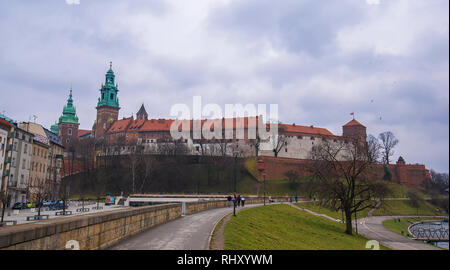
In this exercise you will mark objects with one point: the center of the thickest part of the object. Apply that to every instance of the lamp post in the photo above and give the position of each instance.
(264, 189)
(235, 153)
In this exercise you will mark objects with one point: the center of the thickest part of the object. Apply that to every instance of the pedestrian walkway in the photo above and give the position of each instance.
(190, 232)
(373, 229)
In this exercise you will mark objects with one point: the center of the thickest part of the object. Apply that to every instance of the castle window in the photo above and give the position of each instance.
(103, 95)
(112, 96)
(69, 131)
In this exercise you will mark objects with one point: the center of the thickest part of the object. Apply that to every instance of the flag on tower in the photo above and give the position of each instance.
(352, 114)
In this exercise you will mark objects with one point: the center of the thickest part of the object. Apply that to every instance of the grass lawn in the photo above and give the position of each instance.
(315, 206)
(281, 227)
(404, 208)
(388, 208)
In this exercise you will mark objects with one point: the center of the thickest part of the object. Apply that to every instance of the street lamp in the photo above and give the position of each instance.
(264, 189)
(235, 153)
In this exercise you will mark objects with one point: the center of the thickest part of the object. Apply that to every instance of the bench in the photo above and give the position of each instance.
(83, 209)
(5, 222)
(41, 217)
(62, 213)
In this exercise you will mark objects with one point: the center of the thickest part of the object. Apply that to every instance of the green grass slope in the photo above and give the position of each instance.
(280, 227)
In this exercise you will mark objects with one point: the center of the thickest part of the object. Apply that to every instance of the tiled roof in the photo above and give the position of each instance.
(353, 123)
(156, 125)
(83, 132)
(130, 124)
(119, 125)
(304, 129)
(53, 137)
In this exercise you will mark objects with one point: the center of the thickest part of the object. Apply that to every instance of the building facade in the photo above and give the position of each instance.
(54, 165)
(39, 159)
(19, 178)
(6, 128)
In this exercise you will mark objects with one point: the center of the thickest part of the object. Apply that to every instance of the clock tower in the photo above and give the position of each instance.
(107, 106)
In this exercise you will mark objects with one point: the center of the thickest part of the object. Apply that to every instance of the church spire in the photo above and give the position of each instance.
(108, 96)
(69, 112)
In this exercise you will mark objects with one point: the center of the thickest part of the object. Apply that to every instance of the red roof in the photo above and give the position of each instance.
(119, 125)
(304, 129)
(353, 123)
(82, 132)
(156, 125)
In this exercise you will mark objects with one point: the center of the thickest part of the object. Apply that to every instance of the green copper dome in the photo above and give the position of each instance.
(69, 112)
(54, 128)
(108, 92)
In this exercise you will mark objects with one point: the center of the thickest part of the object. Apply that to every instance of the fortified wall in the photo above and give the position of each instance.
(411, 175)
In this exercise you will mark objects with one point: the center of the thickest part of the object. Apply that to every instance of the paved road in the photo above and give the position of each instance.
(190, 232)
(372, 228)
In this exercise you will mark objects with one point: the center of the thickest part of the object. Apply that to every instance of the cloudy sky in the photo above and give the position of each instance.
(385, 60)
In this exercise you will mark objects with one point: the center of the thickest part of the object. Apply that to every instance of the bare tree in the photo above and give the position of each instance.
(41, 193)
(257, 145)
(63, 192)
(148, 167)
(279, 144)
(343, 177)
(414, 199)
(439, 182)
(388, 142)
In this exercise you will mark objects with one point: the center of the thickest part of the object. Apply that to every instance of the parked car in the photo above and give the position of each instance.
(19, 206)
(31, 204)
(47, 203)
(58, 205)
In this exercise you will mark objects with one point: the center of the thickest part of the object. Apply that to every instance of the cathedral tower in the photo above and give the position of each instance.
(107, 106)
(68, 124)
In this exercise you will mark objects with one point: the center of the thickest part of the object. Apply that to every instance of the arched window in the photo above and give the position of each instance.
(69, 131)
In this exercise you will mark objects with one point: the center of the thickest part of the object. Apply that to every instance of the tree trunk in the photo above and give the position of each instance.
(348, 222)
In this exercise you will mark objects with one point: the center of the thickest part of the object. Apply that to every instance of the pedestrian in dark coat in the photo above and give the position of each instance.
(239, 200)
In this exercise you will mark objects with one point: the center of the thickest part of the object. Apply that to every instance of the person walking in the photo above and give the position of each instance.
(229, 200)
(239, 200)
(243, 201)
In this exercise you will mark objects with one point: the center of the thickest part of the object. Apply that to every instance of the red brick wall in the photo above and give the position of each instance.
(408, 175)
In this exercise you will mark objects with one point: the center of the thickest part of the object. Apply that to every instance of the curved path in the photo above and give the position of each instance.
(372, 228)
(190, 232)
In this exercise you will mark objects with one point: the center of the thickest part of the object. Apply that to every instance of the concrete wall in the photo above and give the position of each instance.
(101, 230)
(92, 231)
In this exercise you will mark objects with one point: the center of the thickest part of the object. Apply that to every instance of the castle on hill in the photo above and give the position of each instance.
(122, 135)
